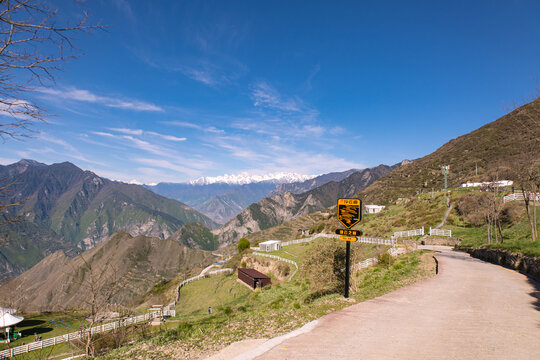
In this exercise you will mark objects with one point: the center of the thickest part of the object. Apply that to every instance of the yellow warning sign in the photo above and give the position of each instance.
(349, 212)
(347, 238)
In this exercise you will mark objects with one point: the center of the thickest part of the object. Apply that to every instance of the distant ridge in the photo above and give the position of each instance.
(222, 198)
(245, 178)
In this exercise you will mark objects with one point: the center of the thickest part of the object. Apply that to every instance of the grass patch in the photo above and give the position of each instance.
(267, 312)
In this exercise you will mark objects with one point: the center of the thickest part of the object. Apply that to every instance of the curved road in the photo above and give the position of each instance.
(471, 310)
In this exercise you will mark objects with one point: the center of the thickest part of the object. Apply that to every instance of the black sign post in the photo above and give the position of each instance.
(349, 213)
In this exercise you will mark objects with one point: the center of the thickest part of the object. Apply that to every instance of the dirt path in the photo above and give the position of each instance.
(471, 310)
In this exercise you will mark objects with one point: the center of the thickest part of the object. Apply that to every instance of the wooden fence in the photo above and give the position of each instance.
(440, 232)
(407, 233)
(83, 333)
(366, 240)
(519, 196)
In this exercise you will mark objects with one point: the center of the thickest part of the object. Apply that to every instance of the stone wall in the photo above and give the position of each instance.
(525, 264)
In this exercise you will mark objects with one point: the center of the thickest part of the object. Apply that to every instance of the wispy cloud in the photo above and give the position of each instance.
(167, 137)
(82, 95)
(140, 132)
(71, 152)
(209, 128)
(264, 95)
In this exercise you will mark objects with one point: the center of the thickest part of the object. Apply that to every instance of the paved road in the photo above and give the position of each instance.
(471, 310)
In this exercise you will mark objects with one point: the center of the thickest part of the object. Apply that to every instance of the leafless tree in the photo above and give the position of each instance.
(100, 285)
(35, 42)
(527, 173)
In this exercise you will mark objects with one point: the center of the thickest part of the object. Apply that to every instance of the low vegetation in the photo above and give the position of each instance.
(239, 313)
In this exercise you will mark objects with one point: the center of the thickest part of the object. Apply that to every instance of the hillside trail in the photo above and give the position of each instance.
(470, 310)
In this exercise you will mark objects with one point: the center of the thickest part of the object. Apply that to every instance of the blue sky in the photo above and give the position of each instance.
(175, 90)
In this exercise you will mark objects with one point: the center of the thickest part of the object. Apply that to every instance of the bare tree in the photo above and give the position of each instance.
(100, 285)
(527, 172)
(35, 42)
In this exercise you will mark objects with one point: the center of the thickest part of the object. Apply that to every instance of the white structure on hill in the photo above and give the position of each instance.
(373, 209)
(270, 245)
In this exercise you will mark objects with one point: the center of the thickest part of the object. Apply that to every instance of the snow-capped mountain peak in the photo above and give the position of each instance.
(246, 178)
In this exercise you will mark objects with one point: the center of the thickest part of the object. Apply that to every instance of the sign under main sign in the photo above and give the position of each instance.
(348, 232)
(349, 212)
(348, 238)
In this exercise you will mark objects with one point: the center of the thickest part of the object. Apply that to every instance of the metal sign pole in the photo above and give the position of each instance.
(347, 268)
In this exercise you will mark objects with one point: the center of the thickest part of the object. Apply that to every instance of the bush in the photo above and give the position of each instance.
(243, 244)
(384, 259)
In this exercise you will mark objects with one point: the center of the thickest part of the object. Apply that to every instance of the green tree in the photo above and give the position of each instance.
(243, 244)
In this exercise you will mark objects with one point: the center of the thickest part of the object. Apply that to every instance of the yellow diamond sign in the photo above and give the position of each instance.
(349, 212)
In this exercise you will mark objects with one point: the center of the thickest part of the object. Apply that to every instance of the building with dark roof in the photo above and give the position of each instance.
(253, 278)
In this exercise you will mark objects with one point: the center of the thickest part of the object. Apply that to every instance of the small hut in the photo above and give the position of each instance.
(270, 245)
(253, 278)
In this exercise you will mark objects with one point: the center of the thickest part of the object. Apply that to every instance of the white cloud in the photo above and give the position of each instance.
(211, 129)
(264, 95)
(166, 164)
(167, 137)
(128, 131)
(86, 96)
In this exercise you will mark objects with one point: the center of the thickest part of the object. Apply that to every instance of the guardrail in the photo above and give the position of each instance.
(408, 233)
(367, 240)
(440, 232)
(519, 196)
(38, 345)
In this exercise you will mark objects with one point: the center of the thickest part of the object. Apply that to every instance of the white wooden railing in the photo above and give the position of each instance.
(440, 232)
(407, 233)
(519, 196)
(37, 345)
(366, 240)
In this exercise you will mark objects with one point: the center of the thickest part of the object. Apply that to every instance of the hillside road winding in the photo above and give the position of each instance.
(470, 310)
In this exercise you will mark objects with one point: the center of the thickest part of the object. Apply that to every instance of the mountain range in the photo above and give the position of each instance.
(222, 198)
(276, 209)
(66, 208)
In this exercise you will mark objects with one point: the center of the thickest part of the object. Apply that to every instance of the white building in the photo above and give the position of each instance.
(373, 209)
(270, 245)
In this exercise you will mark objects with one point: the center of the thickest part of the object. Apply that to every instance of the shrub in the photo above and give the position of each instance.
(243, 244)
(227, 310)
(384, 259)
(296, 305)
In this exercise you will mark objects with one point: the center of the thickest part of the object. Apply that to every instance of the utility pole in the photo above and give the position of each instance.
(445, 169)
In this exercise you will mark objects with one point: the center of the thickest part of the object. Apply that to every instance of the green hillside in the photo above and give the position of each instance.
(498, 150)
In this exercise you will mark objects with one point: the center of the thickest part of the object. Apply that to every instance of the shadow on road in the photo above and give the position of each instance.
(535, 293)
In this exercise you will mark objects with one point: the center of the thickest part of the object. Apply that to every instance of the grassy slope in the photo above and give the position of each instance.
(240, 313)
(495, 147)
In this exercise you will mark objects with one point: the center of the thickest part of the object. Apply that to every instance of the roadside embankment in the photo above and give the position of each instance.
(525, 264)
